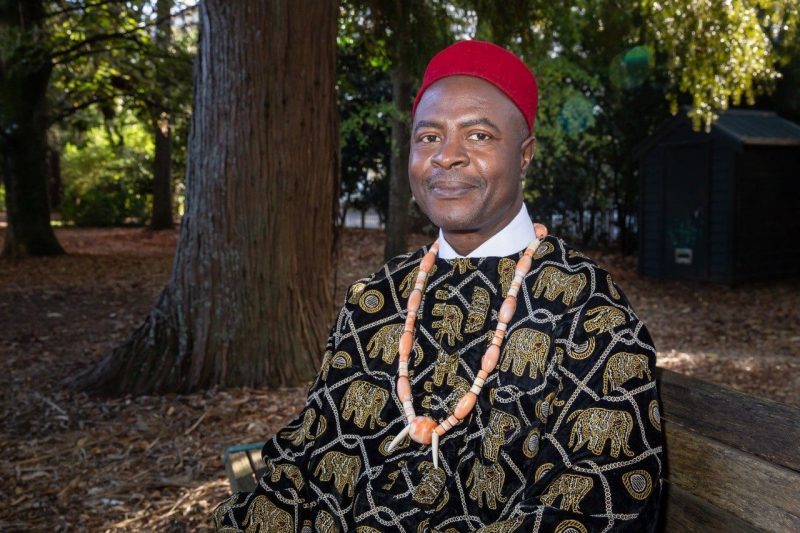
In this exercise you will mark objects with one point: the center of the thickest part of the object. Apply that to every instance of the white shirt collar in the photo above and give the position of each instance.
(516, 236)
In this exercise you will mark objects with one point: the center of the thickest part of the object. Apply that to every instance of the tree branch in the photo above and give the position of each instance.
(101, 37)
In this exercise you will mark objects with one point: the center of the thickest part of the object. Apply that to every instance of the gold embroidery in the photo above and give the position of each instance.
(487, 483)
(494, 436)
(595, 425)
(478, 310)
(530, 446)
(624, 366)
(543, 249)
(607, 318)
(524, 347)
(571, 488)
(385, 342)
(355, 292)
(446, 364)
(544, 408)
(570, 526)
(612, 289)
(365, 401)
(291, 472)
(338, 360)
(506, 526)
(367, 529)
(263, 515)
(639, 483)
(506, 270)
(553, 283)
(582, 352)
(371, 301)
(541, 471)
(449, 325)
(300, 435)
(325, 523)
(430, 486)
(575, 253)
(383, 448)
(343, 468)
(463, 264)
(654, 414)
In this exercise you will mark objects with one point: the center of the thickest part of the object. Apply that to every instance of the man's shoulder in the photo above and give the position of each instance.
(563, 266)
(394, 269)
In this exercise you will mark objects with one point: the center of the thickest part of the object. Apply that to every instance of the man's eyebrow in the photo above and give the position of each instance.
(428, 124)
(482, 121)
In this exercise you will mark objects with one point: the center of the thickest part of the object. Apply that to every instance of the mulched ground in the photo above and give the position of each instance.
(69, 462)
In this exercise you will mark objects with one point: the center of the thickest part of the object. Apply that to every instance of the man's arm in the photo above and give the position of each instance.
(599, 466)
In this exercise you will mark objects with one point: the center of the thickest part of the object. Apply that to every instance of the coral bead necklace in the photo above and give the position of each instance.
(423, 429)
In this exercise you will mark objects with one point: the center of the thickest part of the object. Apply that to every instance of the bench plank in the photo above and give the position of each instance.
(686, 513)
(762, 427)
(757, 491)
(244, 466)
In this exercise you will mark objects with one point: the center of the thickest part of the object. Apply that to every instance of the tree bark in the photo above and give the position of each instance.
(24, 78)
(162, 162)
(250, 299)
(399, 191)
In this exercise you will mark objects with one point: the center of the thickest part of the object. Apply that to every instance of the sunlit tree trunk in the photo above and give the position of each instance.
(24, 78)
(250, 299)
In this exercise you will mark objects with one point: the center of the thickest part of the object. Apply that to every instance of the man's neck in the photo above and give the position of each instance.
(515, 235)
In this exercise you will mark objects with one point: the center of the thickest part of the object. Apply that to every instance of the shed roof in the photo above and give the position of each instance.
(743, 126)
(758, 127)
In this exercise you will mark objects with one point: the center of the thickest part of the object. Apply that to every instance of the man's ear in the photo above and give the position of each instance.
(527, 149)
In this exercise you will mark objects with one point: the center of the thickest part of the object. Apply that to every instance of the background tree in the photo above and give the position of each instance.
(249, 299)
(162, 162)
(25, 69)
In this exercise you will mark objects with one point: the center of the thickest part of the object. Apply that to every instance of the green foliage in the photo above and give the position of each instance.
(106, 183)
(719, 52)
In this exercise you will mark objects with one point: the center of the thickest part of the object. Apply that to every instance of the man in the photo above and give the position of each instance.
(415, 422)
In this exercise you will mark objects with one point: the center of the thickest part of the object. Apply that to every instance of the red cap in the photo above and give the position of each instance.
(489, 62)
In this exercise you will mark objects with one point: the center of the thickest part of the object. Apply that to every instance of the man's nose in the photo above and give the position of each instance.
(451, 154)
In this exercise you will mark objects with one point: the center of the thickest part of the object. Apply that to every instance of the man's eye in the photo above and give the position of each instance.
(430, 138)
(480, 136)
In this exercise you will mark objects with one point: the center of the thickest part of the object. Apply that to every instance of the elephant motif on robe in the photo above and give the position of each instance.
(263, 515)
(525, 346)
(571, 488)
(478, 310)
(450, 324)
(340, 467)
(494, 435)
(431, 484)
(624, 366)
(595, 426)
(553, 283)
(605, 318)
(385, 343)
(363, 402)
(486, 482)
(303, 433)
(290, 471)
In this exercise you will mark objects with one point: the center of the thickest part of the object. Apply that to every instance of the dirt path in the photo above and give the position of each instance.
(70, 462)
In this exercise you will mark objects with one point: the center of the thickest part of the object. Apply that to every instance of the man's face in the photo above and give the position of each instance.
(470, 147)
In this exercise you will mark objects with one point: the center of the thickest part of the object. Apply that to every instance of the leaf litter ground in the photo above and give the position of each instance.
(70, 462)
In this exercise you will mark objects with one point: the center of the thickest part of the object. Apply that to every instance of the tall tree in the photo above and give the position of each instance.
(250, 295)
(25, 69)
(162, 175)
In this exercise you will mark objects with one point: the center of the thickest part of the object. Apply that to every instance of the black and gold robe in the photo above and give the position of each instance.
(565, 436)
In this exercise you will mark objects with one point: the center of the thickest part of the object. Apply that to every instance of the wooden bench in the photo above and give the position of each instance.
(732, 463)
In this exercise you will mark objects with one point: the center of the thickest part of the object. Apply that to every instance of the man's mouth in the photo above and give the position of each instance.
(450, 188)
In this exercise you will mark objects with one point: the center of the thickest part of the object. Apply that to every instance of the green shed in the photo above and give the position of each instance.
(722, 206)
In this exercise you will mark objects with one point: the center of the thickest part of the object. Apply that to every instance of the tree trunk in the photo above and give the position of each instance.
(399, 190)
(250, 298)
(24, 78)
(162, 162)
